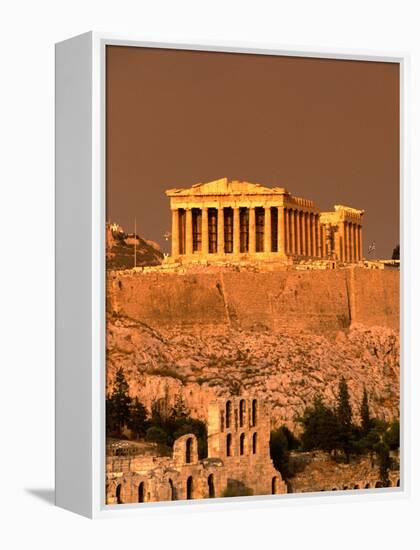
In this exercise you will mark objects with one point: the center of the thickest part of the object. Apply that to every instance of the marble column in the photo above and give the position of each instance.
(303, 233)
(323, 235)
(281, 230)
(314, 246)
(318, 237)
(292, 220)
(347, 230)
(188, 232)
(204, 231)
(339, 242)
(267, 229)
(175, 232)
(251, 235)
(220, 231)
(236, 231)
(308, 234)
(298, 233)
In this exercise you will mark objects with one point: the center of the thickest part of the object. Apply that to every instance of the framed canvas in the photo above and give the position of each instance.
(229, 250)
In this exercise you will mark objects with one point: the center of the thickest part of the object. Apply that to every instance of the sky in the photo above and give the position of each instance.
(327, 130)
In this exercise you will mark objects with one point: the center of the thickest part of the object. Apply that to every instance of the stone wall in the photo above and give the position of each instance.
(183, 476)
(316, 471)
(314, 301)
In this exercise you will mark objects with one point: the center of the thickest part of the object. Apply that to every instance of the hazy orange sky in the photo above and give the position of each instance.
(326, 130)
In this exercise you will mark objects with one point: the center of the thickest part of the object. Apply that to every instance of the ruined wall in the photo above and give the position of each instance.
(316, 471)
(315, 301)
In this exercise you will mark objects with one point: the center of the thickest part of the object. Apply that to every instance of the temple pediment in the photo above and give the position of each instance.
(225, 187)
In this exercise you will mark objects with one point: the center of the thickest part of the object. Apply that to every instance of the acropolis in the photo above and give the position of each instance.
(225, 219)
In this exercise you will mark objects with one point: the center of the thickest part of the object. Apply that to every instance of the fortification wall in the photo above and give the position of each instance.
(315, 301)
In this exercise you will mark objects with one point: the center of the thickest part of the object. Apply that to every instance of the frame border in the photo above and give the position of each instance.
(95, 408)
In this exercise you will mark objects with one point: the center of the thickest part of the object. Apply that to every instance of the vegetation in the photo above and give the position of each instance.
(282, 441)
(332, 429)
(118, 405)
(163, 426)
(237, 489)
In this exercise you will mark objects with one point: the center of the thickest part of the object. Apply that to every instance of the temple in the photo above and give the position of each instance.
(225, 219)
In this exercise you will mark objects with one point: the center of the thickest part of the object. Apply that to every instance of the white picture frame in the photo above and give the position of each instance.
(80, 276)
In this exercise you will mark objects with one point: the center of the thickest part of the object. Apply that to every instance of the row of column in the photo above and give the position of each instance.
(351, 242)
(298, 232)
(302, 232)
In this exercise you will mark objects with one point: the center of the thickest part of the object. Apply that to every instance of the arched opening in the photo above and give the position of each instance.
(228, 414)
(229, 445)
(398, 482)
(171, 489)
(118, 494)
(254, 444)
(356, 487)
(188, 450)
(141, 492)
(367, 486)
(378, 485)
(210, 482)
(333, 489)
(254, 412)
(274, 485)
(345, 488)
(242, 444)
(242, 413)
(190, 488)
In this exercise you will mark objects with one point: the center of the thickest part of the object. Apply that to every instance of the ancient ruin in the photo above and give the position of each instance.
(238, 457)
(228, 220)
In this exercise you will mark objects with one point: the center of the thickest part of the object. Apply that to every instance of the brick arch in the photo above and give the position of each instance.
(211, 486)
(185, 450)
(190, 486)
(141, 492)
(228, 414)
(242, 413)
(242, 444)
(254, 443)
(254, 412)
(275, 485)
(118, 495)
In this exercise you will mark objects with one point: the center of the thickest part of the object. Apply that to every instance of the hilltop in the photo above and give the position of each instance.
(120, 250)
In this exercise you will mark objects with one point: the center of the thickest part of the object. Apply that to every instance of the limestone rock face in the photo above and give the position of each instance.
(285, 369)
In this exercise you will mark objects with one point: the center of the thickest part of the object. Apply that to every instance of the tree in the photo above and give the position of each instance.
(344, 419)
(365, 414)
(320, 428)
(280, 450)
(118, 404)
(382, 451)
(392, 436)
(158, 435)
(137, 418)
(396, 253)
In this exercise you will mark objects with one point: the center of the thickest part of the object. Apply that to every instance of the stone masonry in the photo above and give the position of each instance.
(231, 220)
(238, 457)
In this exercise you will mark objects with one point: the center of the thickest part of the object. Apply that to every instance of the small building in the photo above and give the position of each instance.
(238, 461)
(222, 220)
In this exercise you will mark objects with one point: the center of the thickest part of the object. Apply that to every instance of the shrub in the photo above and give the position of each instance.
(155, 434)
(237, 489)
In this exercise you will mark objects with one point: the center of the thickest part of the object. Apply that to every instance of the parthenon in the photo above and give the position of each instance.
(225, 219)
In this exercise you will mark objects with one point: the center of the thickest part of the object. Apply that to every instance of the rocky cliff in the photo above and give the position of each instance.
(280, 336)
